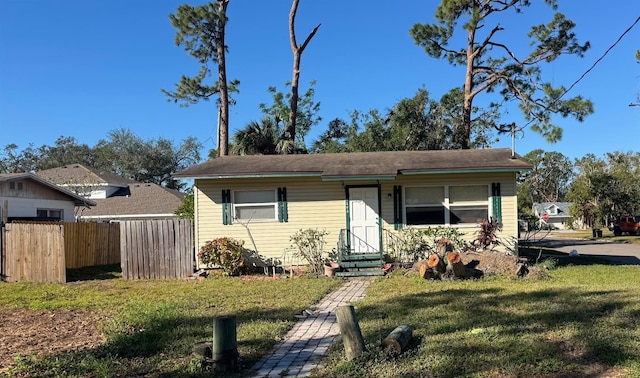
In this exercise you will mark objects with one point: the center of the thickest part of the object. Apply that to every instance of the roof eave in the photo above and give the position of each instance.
(247, 175)
(359, 178)
(464, 170)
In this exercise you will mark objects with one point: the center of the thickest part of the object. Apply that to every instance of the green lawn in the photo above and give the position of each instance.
(581, 321)
(151, 326)
(606, 235)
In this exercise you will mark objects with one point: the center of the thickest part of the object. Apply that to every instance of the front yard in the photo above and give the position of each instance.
(117, 328)
(581, 321)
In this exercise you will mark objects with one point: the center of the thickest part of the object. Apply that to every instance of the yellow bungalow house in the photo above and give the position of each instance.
(358, 198)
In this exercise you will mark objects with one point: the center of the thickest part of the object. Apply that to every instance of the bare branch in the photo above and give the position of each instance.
(306, 41)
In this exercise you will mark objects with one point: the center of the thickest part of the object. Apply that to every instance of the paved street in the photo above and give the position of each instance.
(619, 253)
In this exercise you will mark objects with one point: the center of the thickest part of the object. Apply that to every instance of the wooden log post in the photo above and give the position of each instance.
(398, 339)
(423, 270)
(436, 263)
(456, 266)
(224, 349)
(350, 331)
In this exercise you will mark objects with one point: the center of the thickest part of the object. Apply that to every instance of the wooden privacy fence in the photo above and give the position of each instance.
(33, 252)
(156, 249)
(42, 252)
(90, 244)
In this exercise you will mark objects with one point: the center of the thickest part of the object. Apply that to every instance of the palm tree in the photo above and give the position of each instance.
(258, 138)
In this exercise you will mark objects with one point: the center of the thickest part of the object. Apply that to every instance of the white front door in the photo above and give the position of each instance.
(363, 220)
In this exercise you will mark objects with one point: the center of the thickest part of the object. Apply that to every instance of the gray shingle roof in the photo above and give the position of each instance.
(361, 164)
(79, 174)
(138, 199)
(77, 199)
(131, 200)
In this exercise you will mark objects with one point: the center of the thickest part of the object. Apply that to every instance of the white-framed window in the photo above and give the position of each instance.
(468, 204)
(446, 205)
(15, 185)
(424, 205)
(255, 205)
(57, 214)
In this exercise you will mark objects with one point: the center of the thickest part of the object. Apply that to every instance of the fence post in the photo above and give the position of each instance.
(350, 331)
(224, 349)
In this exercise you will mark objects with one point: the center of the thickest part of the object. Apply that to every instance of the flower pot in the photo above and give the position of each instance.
(330, 269)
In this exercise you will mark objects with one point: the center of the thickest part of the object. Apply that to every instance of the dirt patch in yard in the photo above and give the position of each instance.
(494, 263)
(25, 332)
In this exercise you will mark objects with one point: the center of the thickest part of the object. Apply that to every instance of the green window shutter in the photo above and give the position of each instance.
(283, 209)
(397, 207)
(496, 201)
(226, 207)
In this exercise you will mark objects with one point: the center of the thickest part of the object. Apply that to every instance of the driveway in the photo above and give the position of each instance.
(618, 253)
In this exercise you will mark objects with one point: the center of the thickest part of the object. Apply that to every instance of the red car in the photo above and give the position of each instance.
(628, 224)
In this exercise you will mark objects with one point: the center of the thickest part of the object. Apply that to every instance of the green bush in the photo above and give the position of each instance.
(413, 244)
(226, 253)
(310, 246)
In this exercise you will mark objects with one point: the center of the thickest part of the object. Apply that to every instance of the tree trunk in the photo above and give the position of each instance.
(350, 331)
(290, 132)
(436, 263)
(456, 267)
(223, 113)
(398, 339)
(423, 270)
(462, 132)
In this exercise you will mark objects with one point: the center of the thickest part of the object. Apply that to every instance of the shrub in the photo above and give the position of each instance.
(412, 244)
(487, 237)
(310, 246)
(227, 253)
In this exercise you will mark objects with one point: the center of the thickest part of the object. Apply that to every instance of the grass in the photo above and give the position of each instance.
(152, 325)
(581, 321)
(606, 235)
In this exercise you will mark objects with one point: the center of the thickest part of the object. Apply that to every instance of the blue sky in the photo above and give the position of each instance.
(83, 68)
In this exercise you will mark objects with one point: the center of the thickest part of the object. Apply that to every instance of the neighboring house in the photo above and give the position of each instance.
(25, 196)
(359, 198)
(116, 198)
(557, 214)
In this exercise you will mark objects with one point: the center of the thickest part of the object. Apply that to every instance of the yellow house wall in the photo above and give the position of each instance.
(509, 230)
(313, 203)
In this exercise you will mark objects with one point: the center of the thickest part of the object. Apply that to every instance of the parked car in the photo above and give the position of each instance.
(629, 224)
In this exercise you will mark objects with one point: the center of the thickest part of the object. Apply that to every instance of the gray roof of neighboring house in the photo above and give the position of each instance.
(78, 174)
(563, 208)
(137, 199)
(386, 164)
(77, 199)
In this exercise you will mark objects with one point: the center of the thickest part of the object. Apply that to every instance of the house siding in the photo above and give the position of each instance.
(313, 203)
(507, 193)
(25, 207)
(32, 190)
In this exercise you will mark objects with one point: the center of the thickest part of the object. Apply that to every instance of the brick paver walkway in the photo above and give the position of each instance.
(307, 342)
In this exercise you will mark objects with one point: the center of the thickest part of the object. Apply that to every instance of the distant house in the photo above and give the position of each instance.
(116, 198)
(25, 196)
(361, 199)
(557, 214)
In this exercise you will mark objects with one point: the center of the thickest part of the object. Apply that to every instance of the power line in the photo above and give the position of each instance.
(601, 57)
(593, 65)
